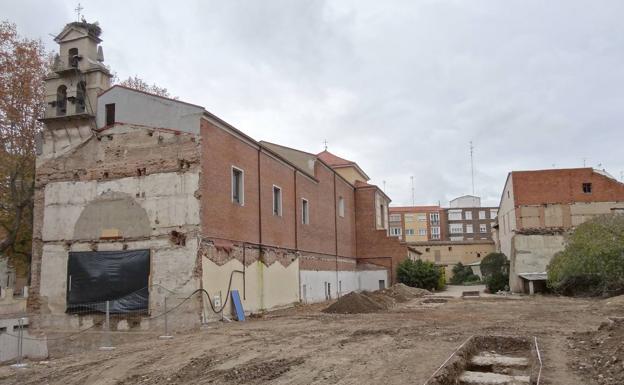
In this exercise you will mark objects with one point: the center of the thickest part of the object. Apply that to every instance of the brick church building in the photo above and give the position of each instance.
(137, 192)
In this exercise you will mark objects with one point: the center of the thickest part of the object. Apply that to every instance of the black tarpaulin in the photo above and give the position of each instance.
(120, 277)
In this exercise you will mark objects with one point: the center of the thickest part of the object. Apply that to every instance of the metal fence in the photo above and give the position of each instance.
(102, 324)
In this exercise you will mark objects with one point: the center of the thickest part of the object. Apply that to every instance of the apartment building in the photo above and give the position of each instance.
(446, 236)
(417, 223)
(137, 192)
(468, 221)
(538, 208)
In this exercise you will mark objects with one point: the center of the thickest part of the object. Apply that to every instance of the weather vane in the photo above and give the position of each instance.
(78, 9)
(325, 143)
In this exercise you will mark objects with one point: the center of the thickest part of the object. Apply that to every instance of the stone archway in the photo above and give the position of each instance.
(114, 211)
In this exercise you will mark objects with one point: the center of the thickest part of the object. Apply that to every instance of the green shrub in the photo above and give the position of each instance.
(497, 282)
(419, 273)
(463, 274)
(472, 280)
(592, 262)
(495, 271)
(442, 279)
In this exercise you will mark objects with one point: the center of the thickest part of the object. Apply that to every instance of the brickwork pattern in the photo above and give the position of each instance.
(564, 186)
(375, 246)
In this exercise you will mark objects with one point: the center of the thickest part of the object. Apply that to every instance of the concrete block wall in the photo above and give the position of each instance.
(31, 348)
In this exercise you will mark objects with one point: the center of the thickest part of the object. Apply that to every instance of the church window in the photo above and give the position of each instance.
(81, 91)
(72, 59)
(61, 100)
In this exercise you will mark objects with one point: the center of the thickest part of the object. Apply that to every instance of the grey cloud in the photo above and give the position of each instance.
(400, 87)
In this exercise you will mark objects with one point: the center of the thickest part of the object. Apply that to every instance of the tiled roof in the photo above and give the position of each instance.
(333, 160)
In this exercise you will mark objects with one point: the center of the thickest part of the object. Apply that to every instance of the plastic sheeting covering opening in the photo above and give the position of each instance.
(120, 277)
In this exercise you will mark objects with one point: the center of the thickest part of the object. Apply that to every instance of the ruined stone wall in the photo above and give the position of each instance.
(266, 278)
(532, 254)
(127, 188)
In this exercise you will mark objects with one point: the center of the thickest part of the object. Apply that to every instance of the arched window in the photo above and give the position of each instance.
(81, 91)
(61, 100)
(72, 59)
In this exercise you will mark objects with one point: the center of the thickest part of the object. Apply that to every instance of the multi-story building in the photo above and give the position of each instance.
(446, 236)
(134, 191)
(417, 223)
(468, 221)
(538, 208)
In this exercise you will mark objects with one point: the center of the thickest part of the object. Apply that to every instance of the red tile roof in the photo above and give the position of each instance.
(333, 160)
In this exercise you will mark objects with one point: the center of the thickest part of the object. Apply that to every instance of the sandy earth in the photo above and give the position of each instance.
(305, 346)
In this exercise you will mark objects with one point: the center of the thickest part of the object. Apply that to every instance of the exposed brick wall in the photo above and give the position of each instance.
(346, 224)
(221, 252)
(121, 152)
(221, 218)
(375, 246)
(277, 230)
(325, 234)
(564, 186)
(319, 236)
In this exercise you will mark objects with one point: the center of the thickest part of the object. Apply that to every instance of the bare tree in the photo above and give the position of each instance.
(23, 64)
(137, 83)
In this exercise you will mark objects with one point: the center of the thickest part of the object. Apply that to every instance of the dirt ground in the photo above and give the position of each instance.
(306, 346)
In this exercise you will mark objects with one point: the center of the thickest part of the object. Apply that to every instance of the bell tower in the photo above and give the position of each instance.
(78, 75)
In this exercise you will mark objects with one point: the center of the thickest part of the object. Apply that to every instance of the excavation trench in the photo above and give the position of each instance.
(491, 360)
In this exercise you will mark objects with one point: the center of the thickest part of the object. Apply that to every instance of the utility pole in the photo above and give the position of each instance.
(472, 166)
(413, 201)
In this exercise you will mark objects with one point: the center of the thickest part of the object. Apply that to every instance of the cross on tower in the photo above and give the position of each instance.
(78, 9)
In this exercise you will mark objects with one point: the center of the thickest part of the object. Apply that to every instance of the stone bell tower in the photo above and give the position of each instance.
(77, 76)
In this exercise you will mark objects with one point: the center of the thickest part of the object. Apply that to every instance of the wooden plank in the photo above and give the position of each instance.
(238, 306)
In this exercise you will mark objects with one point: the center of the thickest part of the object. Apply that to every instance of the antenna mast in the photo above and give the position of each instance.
(413, 202)
(472, 167)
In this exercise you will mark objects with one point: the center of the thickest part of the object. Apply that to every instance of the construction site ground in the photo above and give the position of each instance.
(303, 345)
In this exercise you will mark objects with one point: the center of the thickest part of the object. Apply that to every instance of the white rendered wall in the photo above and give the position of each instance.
(348, 281)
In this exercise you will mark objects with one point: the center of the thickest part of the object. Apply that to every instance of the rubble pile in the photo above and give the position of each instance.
(599, 355)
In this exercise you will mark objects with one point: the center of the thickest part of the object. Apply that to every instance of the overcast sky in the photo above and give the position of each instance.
(401, 87)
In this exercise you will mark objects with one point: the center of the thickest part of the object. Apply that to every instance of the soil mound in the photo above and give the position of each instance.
(615, 301)
(598, 355)
(403, 291)
(369, 302)
(354, 303)
(384, 300)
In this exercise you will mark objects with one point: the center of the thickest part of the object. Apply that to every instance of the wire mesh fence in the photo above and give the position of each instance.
(150, 312)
